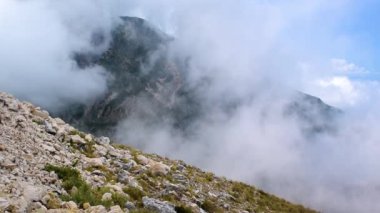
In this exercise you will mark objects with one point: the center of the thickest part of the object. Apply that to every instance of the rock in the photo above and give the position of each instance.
(7, 164)
(77, 139)
(33, 193)
(129, 205)
(88, 137)
(103, 140)
(86, 206)
(159, 169)
(49, 128)
(129, 165)
(51, 201)
(123, 177)
(2, 147)
(115, 188)
(95, 162)
(4, 203)
(42, 114)
(100, 150)
(97, 172)
(96, 209)
(48, 148)
(157, 205)
(107, 196)
(13, 106)
(59, 121)
(20, 120)
(116, 209)
(36, 207)
(115, 154)
(141, 159)
(70, 205)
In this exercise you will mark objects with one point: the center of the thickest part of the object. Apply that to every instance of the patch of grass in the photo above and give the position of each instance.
(211, 206)
(134, 192)
(70, 177)
(38, 121)
(119, 199)
(209, 176)
(84, 192)
(170, 198)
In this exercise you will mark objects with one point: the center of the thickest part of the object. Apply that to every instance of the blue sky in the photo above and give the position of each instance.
(362, 24)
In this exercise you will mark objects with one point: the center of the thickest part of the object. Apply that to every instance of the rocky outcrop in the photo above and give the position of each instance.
(47, 165)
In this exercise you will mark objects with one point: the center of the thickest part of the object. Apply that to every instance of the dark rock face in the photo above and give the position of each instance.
(146, 83)
(314, 115)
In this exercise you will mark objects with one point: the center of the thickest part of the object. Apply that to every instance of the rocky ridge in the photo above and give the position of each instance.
(46, 165)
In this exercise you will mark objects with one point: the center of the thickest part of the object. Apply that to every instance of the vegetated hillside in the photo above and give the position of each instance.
(47, 165)
(147, 83)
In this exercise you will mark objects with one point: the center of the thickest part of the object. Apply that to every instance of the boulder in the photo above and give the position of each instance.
(116, 209)
(77, 139)
(96, 209)
(157, 205)
(159, 169)
(141, 159)
(70, 205)
(103, 140)
(107, 196)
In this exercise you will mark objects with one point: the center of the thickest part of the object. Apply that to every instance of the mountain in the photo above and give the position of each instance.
(142, 75)
(149, 84)
(46, 165)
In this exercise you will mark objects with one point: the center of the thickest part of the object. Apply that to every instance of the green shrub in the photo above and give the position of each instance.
(84, 192)
(134, 192)
(211, 206)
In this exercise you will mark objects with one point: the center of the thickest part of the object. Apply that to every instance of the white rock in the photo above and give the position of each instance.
(96, 209)
(48, 148)
(142, 160)
(49, 128)
(157, 205)
(4, 203)
(88, 137)
(33, 193)
(103, 140)
(159, 169)
(42, 114)
(69, 205)
(95, 161)
(77, 139)
(116, 209)
(107, 196)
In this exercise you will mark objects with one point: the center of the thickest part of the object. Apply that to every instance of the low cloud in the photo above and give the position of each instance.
(38, 39)
(254, 53)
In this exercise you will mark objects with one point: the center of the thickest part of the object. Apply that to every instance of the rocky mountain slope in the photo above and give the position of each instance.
(46, 165)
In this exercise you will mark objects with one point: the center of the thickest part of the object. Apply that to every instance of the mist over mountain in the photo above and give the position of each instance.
(266, 92)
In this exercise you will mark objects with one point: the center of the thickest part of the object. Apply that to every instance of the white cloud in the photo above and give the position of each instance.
(342, 65)
(338, 91)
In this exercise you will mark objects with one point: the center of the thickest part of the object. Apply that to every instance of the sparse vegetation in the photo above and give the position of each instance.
(134, 192)
(80, 192)
(211, 206)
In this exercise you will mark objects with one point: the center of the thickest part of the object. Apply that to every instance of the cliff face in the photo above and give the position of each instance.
(46, 165)
(142, 76)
